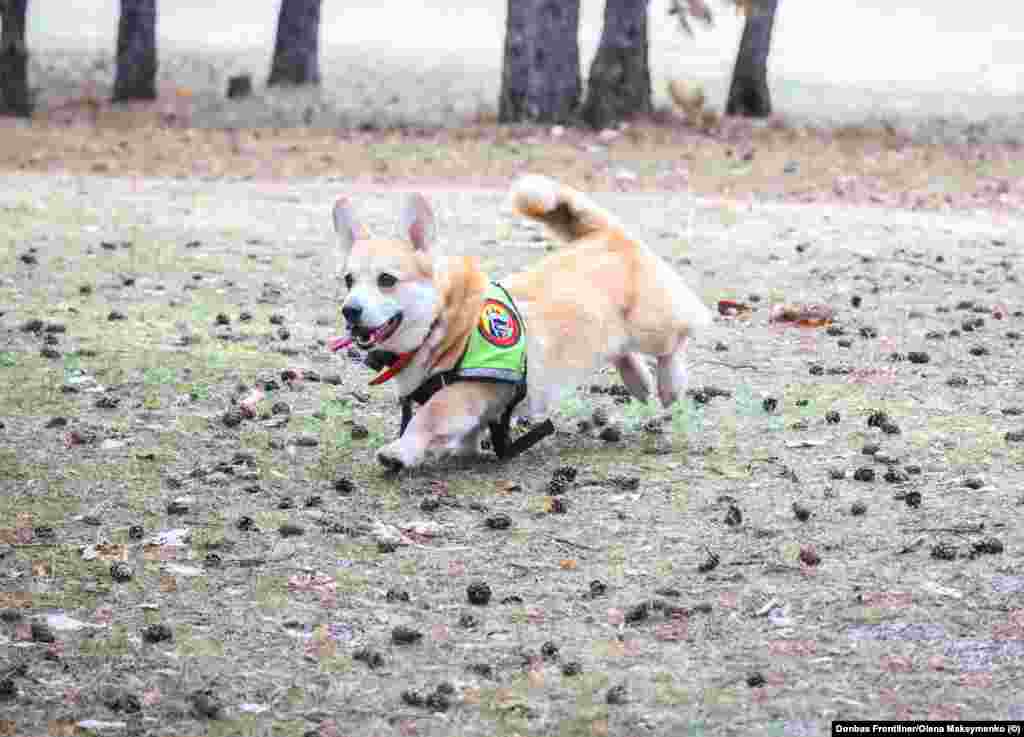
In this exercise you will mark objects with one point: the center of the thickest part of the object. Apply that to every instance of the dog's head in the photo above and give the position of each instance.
(392, 296)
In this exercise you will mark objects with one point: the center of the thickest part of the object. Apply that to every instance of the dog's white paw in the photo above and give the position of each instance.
(392, 458)
(535, 193)
(468, 446)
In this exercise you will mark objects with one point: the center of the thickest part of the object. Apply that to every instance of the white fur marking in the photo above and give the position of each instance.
(537, 190)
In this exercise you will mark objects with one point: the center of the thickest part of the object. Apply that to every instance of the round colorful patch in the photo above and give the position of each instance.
(499, 325)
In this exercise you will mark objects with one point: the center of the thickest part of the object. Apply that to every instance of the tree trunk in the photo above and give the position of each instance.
(748, 94)
(541, 73)
(135, 78)
(297, 48)
(14, 95)
(620, 79)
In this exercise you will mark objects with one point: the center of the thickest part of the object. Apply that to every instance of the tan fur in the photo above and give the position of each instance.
(464, 298)
(605, 298)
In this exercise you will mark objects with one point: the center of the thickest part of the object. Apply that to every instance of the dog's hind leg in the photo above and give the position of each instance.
(672, 375)
(635, 375)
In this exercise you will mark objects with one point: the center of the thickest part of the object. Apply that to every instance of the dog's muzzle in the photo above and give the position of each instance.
(366, 337)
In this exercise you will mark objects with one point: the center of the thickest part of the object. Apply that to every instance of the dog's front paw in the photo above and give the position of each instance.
(469, 447)
(392, 458)
(390, 462)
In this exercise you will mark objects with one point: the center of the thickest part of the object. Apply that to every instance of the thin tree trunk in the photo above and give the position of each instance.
(515, 70)
(748, 94)
(620, 78)
(135, 78)
(297, 48)
(14, 94)
(541, 72)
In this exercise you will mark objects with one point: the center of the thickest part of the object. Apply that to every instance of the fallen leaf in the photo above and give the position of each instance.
(64, 623)
(176, 536)
(804, 443)
(422, 528)
(732, 308)
(95, 724)
(249, 404)
(105, 551)
(804, 315)
(187, 571)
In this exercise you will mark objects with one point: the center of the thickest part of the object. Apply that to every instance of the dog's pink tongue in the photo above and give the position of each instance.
(336, 344)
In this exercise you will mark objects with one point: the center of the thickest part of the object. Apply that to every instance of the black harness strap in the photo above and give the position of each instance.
(406, 416)
(423, 393)
(500, 430)
(530, 439)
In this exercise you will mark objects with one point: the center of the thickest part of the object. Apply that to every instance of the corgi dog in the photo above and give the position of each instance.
(467, 350)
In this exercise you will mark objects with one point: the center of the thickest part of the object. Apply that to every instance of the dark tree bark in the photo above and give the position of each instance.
(297, 48)
(14, 94)
(135, 78)
(748, 93)
(540, 79)
(620, 79)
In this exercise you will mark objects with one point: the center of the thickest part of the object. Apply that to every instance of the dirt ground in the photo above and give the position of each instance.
(733, 159)
(773, 554)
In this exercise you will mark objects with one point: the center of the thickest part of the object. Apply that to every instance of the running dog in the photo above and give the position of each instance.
(468, 350)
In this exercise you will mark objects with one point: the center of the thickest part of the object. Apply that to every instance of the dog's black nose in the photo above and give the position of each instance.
(352, 313)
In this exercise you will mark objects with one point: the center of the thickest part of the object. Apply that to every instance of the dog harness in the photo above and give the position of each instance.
(496, 352)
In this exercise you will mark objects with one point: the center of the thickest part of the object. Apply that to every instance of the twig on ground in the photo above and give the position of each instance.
(966, 529)
(736, 366)
(571, 544)
(925, 264)
(751, 561)
(451, 549)
(911, 546)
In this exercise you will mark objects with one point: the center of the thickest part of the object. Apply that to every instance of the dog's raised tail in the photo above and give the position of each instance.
(566, 211)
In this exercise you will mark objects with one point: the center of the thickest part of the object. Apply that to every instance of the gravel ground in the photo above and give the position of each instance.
(732, 569)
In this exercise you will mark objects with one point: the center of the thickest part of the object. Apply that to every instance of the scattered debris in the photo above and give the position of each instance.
(802, 315)
(733, 308)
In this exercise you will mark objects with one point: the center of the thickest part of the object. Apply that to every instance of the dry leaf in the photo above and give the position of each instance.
(249, 404)
(804, 315)
(732, 308)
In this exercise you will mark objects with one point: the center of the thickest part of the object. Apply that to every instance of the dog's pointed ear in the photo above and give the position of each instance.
(417, 223)
(349, 229)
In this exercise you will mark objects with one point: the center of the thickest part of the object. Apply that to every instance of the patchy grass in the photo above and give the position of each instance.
(640, 576)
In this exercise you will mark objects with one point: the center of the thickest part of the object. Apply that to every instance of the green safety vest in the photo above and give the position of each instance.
(497, 347)
(496, 352)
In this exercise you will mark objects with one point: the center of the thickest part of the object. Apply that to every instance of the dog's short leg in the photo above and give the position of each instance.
(443, 434)
(451, 421)
(672, 376)
(635, 375)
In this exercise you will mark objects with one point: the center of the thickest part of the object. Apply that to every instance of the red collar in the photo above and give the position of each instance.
(403, 359)
(400, 363)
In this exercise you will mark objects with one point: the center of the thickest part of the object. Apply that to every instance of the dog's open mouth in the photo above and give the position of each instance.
(365, 337)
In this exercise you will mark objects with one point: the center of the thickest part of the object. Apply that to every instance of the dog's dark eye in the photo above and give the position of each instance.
(386, 281)
(349, 281)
